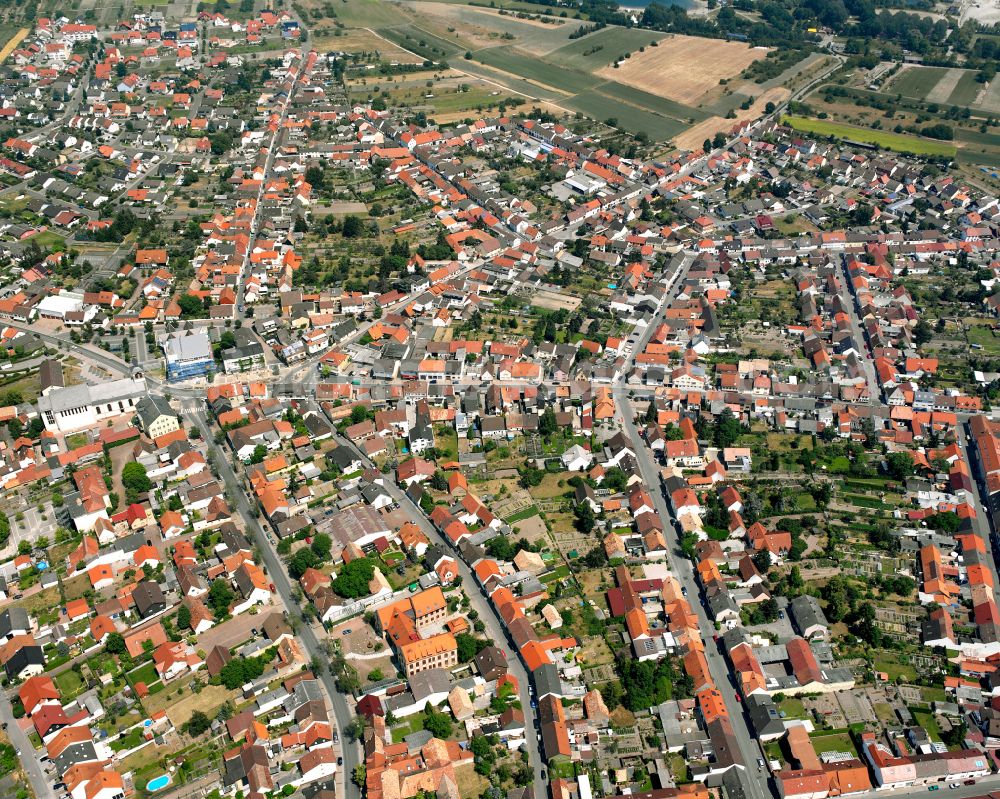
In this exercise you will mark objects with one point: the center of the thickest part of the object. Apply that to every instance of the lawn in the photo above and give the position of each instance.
(530, 67)
(783, 442)
(549, 487)
(69, 683)
(793, 708)
(180, 708)
(662, 105)
(980, 332)
(40, 602)
(837, 742)
(966, 90)
(408, 727)
(925, 719)
(145, 673)
(469, 782)
(102, 663)
(604, 104)
(885, 713)
(367, 13)
(446, 443)
(894, 667)
(559, 573)
(934, 694)
(49, 239)
(863, 501)
(128, 741)
(888, 141)
(805, 502)
(521, 515)
(419, 41)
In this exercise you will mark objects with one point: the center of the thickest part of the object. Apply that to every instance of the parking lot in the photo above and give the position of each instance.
(235, 631)
(31, 527)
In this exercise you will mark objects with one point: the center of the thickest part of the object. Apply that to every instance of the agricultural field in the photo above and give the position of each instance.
(889, 141)
(943, 86)
(10, 38)
(421, 42)
(528, 53)
(483, 27)
(683, 68)
(453, 96)
(604, 47)
(359, 40)
(523, 64)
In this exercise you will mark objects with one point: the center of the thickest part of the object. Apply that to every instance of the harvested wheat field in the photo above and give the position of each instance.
(13, 42)
(693, 137)
(683, 68)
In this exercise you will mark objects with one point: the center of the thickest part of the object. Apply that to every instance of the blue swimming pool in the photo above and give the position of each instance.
(159, 783)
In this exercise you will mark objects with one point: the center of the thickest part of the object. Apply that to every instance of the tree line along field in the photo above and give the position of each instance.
(884, 139)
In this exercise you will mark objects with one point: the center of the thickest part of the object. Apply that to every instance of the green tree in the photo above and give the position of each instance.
(436, 723)
(220, 597)
(352, 227)
(615, 479)
(922, 332)
(184, 617)
(198, 724)
(354, 578)
(135, 480)
(726, 429)
(900, 465)
(302, 560)
(469, 646)
(220, 142)
(321, 545)
(115, 644)
(530, 475)
(191, 307)
(547, 424)
(584, 518)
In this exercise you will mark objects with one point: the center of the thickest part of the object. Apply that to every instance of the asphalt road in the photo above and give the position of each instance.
(268, 166)
(28, 757)
(754, 781)
(496, 631)
(343, 713)
(858, 333)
